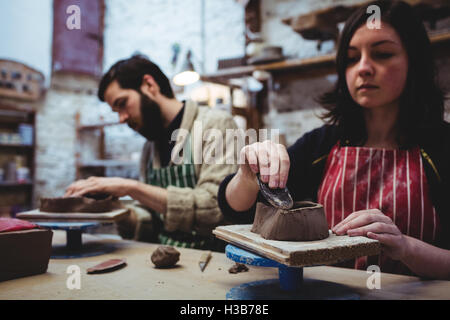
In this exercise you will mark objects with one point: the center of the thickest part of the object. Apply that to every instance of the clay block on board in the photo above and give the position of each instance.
(24, 253)
(80, 204)
(306, 221)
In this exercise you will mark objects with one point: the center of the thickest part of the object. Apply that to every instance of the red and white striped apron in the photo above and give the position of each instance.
(393, 181)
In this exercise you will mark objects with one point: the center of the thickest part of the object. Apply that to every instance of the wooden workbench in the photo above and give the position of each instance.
(140, 280)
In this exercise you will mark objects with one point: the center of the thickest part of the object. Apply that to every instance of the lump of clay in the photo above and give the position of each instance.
(165, 257)
(305, 221)
(80, 204)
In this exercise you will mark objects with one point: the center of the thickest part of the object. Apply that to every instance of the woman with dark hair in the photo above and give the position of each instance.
(381, 165)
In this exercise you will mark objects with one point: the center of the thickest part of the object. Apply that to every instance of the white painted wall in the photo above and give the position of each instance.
(152, 26)
(26, 28)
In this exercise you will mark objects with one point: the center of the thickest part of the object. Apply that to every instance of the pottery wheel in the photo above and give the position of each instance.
(74, 247)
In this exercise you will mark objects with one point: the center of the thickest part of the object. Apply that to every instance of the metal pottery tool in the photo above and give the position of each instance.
(278, 197)
(204, 259)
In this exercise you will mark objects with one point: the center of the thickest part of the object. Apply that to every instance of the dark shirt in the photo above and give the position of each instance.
(308, 157)
(165, 146)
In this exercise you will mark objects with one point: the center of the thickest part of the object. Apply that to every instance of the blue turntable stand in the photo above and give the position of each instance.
(290, 284)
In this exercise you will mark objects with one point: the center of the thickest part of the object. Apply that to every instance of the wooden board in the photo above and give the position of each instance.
(299, 254)
(37, 215)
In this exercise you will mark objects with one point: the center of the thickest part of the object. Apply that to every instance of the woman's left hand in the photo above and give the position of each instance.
(375, 225)
(114, 186)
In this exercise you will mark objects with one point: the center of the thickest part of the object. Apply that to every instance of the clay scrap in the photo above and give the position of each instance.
(107, 266)
(80, 204)
(305, 221)
(165, 257)
(238, 267)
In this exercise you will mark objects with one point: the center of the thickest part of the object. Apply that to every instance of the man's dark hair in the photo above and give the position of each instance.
(129, 74)
(422, 101)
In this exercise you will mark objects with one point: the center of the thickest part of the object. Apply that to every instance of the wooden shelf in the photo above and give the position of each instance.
(222, 75)
(15, 145)
(14, 193)
(98, 126)
(15, 184)
(326, 61)
(440, 37)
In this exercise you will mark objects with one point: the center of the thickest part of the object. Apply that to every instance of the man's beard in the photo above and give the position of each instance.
(152, 125)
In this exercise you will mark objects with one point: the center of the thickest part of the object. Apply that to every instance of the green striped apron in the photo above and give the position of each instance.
(182, 176)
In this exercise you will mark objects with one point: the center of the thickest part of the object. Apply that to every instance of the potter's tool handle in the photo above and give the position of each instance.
(204, 259)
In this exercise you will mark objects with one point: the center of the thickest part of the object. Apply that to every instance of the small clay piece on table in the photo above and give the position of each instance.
(238, 267)
(306, 221)
(107, 266)
(80, 204)
(165, 257)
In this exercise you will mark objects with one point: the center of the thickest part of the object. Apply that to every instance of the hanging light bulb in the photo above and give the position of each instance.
(187, 74)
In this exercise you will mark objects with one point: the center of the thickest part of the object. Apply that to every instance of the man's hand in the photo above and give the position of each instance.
(117, 187)
(375, 225)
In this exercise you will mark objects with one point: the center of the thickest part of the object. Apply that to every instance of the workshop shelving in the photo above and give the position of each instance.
(17, 155)
(98, 166)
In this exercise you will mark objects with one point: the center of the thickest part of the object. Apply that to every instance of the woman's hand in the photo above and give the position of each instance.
(118, 187)
(375, 225)
(270, 159)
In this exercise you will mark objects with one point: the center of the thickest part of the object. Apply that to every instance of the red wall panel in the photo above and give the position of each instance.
(78, 50)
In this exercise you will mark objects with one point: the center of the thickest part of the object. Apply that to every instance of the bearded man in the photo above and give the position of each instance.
(176, 201)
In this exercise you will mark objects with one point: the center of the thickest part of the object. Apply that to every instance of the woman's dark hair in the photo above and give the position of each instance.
(129, 73)
(422, 101)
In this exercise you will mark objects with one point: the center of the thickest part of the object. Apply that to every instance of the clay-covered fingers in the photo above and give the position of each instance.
(388, 240)
(392, 241)
(284, 165)
(73, 188)
(274, 166)
(353, 216)
(269, 159)
(279, 166)
(347, 219)
(376, 227)
(263, 161)
(249, 157)
(359, 219)
(81, 187)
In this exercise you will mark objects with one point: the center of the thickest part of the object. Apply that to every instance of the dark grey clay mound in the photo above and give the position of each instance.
(79, 204)
(306, 221)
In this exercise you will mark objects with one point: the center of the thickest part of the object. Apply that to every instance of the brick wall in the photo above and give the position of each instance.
(149, 27)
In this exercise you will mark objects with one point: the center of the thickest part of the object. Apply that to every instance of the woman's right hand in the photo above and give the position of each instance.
(267, 158)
